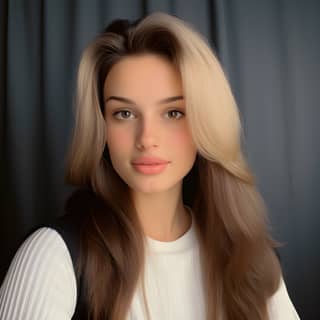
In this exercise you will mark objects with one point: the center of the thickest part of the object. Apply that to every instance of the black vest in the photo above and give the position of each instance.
(69, 226)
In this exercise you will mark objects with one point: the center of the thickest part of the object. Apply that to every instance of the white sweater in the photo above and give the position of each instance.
(40, 283)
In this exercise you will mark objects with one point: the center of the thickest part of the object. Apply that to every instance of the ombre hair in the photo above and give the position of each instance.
(239, 265)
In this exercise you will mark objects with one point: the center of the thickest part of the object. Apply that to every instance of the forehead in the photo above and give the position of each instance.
(143, 77)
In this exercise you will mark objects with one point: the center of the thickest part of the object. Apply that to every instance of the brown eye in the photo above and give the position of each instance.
(175, 114)
(125, 114)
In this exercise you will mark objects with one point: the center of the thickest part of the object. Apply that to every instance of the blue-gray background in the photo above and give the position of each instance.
(270, 50)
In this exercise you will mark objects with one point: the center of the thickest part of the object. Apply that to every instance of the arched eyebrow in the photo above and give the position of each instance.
(126, 100)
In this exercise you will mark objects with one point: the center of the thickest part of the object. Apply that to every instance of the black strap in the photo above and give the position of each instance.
(77, 209)
(69, 227)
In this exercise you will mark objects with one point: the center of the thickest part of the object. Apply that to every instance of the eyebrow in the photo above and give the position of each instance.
(126, 100)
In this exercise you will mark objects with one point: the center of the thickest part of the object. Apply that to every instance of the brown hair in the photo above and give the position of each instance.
(240, 268)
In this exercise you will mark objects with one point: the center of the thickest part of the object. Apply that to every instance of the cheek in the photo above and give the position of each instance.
(182, 140)
(118, 141)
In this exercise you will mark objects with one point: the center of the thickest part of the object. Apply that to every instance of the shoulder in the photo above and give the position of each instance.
(280, 305)
(40, 279)
(43, 245)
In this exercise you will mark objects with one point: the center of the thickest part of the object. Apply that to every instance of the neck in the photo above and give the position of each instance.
(162, 215)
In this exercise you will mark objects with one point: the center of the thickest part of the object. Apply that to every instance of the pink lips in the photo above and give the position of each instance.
(150, 165)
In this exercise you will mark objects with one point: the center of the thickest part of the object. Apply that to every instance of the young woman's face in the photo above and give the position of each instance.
(145, 117)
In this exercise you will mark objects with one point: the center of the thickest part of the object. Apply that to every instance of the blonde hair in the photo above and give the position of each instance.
(240, 268)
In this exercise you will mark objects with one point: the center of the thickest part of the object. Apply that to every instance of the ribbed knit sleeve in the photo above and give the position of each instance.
(280, 305)
(40, 283)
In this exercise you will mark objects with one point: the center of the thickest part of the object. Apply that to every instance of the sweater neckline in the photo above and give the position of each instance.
(185, 241)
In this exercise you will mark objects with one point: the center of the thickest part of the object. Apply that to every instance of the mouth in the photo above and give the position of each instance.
(149, 160)
(148, 163)
(150, 168)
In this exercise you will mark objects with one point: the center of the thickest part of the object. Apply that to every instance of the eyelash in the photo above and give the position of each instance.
(121, 111)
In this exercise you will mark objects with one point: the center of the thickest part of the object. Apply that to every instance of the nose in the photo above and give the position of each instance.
(147, 134)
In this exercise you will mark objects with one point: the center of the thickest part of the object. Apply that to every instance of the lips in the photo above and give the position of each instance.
(150, 165)
(149, 161)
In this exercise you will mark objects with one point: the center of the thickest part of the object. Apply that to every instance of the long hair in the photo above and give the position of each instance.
(239, 265)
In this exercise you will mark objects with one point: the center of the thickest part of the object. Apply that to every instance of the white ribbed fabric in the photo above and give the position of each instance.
(40, 283)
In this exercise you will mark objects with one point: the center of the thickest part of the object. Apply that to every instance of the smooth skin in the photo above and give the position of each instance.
(145, 116)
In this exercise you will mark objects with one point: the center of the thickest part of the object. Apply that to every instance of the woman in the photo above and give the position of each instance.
(169, 221)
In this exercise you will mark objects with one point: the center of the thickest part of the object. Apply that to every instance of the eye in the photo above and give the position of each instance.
(176, 114)
(124, 113)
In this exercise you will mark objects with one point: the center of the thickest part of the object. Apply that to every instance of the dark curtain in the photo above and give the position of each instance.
(270, 51)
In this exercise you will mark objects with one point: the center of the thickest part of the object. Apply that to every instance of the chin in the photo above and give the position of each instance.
(152, 186)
